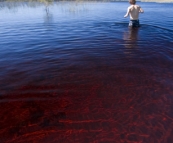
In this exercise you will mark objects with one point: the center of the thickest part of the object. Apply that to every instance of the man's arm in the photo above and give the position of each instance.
(127, 14)
(141, 10)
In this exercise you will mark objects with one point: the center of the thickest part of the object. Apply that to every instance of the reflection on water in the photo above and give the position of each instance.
(133, 34)
(48, 18)
(131, 37)
(85, 77)
(130, 40)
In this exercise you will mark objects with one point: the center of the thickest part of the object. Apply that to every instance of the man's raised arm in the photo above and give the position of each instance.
(127, 14)
(141, 10)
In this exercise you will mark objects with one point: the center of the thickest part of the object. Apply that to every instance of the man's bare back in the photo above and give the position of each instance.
(134, 11)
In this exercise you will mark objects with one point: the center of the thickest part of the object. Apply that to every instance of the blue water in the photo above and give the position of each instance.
(77, 73)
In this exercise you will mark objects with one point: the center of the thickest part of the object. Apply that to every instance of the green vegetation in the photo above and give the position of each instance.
(32, 3)
(42, 1)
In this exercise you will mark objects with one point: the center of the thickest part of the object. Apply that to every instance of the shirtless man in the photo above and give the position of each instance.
(134, 11)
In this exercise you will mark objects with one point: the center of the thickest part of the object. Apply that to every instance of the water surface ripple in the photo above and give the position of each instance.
(79, 74)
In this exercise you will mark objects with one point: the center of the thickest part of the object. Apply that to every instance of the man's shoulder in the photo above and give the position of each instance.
(138, 5)
(130, 7)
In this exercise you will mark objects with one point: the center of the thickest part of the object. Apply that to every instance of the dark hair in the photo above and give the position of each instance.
(132, 1)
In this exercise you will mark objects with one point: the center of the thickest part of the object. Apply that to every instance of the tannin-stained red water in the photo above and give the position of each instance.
(100, 83)
(100, 101)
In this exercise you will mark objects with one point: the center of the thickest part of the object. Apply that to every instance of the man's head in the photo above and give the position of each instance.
(132, 1)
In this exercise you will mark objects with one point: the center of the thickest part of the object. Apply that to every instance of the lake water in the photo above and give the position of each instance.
(78, 74)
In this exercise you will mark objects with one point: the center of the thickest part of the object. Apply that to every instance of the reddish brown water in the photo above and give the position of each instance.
(100, 83)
